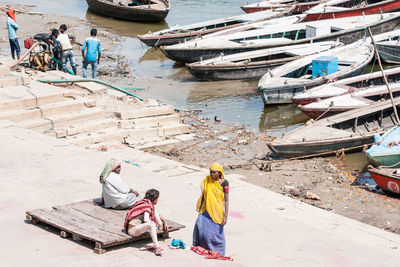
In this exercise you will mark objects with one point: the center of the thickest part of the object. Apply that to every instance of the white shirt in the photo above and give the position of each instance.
(63, 38)
(114, 191)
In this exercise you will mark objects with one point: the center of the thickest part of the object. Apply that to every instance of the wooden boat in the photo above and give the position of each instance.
(387, 179)
(298, 6)
(351, 130)
(349, 8)
(346, 86)
(389, 51)
(357, 98)
(345, 30)
(386, 150)
(178, 34)
(253, 64)
(136, 10)
(279, 85)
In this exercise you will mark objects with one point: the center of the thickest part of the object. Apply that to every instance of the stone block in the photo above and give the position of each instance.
(145, 112)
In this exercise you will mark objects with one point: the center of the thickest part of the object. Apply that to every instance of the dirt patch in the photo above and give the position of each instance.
(325, 183)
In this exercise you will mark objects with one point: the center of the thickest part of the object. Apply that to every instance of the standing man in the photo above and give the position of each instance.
(93, 53)
(66, 42)
(12, 28)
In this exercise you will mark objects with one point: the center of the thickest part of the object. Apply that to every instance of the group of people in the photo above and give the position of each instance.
(142, 215)
(59, 44)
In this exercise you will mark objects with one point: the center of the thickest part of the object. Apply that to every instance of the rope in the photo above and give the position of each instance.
(330, 107)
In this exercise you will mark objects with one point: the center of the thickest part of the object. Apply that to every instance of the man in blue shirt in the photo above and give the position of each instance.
(12, 28)
(93, 53)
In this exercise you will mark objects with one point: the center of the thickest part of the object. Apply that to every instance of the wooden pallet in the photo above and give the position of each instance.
(87, 220)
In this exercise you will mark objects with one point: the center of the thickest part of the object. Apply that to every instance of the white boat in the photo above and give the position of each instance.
(345, 30)
(177, 34)
(253, 64)
(349, 85)
(279, 85)
(358, 98)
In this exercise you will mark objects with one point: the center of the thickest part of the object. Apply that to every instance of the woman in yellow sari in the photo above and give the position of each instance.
(213, 207)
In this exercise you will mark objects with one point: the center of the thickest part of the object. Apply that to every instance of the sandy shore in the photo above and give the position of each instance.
(332, 183)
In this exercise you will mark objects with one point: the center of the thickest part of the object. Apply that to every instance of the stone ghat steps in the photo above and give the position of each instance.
(13, 80)
(47, 110)
(60, 112)
(151, 122)
(64, 121)
(36, 94)
(128, 136)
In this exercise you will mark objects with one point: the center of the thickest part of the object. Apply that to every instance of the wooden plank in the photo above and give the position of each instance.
(88, 220)
(93, 209)
(107, 233)
(54, 219)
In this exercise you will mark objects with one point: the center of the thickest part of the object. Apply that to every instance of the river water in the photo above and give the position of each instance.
(231, 101)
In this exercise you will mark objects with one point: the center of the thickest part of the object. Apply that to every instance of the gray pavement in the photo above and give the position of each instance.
(263, 229)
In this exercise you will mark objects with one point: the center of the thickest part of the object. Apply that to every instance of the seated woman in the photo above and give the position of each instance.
(116, 194)
(213, 211)
(144, 218)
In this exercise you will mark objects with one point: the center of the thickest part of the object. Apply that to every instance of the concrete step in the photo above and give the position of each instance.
(4, 71)
(157, 121)
(11, 80)
(20, 97)
(145, 112)
(133, 136)
(90, 126)
(138, 135)
(46, 111)
(109, 135)
(92, 87)
(63, 120)
(163, 141)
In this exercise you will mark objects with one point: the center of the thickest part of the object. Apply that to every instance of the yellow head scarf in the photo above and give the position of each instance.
(212, 196)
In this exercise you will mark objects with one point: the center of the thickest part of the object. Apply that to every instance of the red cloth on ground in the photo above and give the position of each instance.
(138, 209)
(210, 254)
(10, 12)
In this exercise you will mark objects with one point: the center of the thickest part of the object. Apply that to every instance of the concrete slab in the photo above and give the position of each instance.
(4, 71)
(263, 229)
(92, 87)
(157, 121)
(145, 112)
(63, 120)
(11, 80)
(17, 97)
(45, 110)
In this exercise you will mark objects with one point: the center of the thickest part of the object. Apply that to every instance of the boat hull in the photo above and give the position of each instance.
(389, 6)
(108, 9)
(385, 159)
(166, 40)
(284, 94)
(189, 55)
(240, 72)
(321, 113)
(298, 8)
(389, 53)
(374, 79)
(386, 181)
(322, 147)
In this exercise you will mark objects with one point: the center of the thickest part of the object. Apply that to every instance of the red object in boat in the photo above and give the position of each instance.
(387, 179)
(380, 7)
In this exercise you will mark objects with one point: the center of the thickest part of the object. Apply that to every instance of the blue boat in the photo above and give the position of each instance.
(386, 151)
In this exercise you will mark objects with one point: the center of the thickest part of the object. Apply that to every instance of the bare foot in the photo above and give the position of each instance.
(157, 251)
